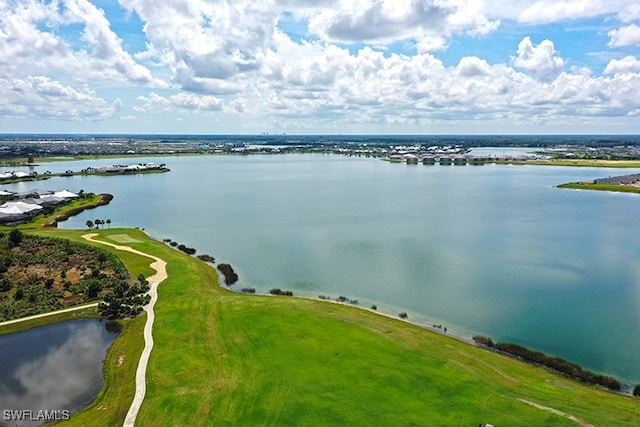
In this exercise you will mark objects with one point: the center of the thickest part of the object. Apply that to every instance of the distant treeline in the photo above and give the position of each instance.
(556, 364)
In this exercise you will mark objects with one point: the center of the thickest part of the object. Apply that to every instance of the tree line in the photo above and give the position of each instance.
(555, 364)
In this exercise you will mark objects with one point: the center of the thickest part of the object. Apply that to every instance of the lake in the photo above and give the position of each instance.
(55, 368)
(492, 249)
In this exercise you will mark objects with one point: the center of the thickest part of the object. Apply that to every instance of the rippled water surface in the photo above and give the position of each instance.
(493, 249)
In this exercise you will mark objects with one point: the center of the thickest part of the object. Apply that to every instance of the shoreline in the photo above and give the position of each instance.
(626, 389)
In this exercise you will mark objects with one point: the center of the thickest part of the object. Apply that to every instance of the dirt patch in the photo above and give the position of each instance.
(557, 412)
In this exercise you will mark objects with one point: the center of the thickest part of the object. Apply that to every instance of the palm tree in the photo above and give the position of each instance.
(108, 222)
(97, 222)
(89, 224)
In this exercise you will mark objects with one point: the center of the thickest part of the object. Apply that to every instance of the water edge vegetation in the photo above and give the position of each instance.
(228, 358)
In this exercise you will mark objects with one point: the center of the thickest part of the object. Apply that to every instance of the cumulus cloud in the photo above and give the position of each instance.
(184, 101)
(202, 42)
(33, 42)
(628, 64)
(41, 97)
(630, 12)
(234, 59)
(625, 36)
(389, 20)
(541, 60)
(545, 11)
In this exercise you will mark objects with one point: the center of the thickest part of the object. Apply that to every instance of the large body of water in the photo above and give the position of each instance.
(55, 368)
(493, 249)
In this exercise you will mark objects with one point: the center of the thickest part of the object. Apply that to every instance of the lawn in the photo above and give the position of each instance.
(589, 185)
(222, 358)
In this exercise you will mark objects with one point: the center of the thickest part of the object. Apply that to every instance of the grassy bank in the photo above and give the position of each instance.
(222, 358)
(589, 185)
(86, 313)
(594, 163)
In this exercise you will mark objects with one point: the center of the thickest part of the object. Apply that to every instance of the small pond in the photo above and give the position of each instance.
(52, 371)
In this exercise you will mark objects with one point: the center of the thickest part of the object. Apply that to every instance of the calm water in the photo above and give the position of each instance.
(52, 368)
(492, 249)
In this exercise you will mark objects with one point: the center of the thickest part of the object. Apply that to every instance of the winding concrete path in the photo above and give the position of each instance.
(160, 266)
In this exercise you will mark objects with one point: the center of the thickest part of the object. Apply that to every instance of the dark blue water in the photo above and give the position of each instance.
(493, 249)
(54, 368)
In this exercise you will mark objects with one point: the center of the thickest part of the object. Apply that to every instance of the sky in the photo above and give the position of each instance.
(320, 66)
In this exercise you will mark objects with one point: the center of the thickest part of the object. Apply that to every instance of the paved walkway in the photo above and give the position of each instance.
(51, 313)
(160, 266)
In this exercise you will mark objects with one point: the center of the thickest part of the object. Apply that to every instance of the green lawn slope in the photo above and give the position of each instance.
(226, 359)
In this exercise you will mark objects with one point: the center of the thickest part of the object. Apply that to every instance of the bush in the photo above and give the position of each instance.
(403, 315)
(483, 340)
(230, 276)
(5, 284)
(278, 291)
(636, 390)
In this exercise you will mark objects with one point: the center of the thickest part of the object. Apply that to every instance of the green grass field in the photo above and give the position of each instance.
(596, 163)
(617, 188)
(226, 359)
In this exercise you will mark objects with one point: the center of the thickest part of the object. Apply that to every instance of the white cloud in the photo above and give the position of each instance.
(204, 42)
(546, 11)
(233, 64)
(630, 12)
(541, 60)
(625, 36)
(40, 97)
(628, 64)
(386, 21)
(33, 41)
(183, 101)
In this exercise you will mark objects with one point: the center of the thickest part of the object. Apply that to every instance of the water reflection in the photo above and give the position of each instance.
(56, 368)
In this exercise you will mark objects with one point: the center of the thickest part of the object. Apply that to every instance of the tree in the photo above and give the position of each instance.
(636, 390)
(5, 284)
(15, 238)
(108, 222)
(89, 224)
(97, 222)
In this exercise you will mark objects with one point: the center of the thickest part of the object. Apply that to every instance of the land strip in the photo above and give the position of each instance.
(222, 358)
(51, 313)
(159, 266)
(590, 185)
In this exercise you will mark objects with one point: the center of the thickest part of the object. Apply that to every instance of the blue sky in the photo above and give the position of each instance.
(320, 66)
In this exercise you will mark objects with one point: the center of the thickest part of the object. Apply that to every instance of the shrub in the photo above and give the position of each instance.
(483, 340)
(403, 315)
(636, 390)
(5, 284)
(230, 276)
(278, 291)
(15, 238)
